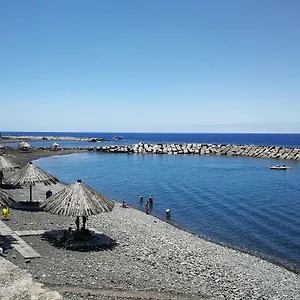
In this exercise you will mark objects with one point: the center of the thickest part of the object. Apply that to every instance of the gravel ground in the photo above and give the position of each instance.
(16, 284)
(152, 260)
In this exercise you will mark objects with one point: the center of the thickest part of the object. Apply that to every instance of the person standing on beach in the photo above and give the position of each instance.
(48, 194)
(5, 213)
(147, 207)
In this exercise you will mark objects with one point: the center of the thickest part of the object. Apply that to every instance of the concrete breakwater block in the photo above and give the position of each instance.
(207, 149)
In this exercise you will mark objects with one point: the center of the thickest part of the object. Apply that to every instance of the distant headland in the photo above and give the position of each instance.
(19, 138)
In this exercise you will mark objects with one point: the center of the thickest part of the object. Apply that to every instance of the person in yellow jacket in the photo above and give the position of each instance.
(5, 213)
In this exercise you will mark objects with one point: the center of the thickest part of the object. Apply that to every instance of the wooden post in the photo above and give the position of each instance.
(30, 193)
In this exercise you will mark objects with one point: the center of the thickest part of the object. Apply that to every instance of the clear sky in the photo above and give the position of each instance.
(150, 65)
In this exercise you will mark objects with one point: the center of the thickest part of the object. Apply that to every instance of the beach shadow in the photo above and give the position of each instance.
(7, 186)
(6, 242)
(28, 206)
(83, 243)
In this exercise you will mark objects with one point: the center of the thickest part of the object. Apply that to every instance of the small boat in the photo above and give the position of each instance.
(116, 138)
(278, 167)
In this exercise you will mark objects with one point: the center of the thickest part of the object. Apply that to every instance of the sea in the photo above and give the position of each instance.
(237, 202)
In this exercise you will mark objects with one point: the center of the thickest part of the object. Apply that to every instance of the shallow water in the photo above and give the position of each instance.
(236, 201)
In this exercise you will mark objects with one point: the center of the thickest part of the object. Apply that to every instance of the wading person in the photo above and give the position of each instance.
(168, 213)
(147, 207)
(151, 199)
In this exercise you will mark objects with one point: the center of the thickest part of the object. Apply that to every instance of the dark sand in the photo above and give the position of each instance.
(22, 158)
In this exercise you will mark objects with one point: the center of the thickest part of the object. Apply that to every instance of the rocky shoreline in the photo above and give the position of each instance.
(152, 259)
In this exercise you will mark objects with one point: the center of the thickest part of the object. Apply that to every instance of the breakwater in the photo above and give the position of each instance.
(274, 152)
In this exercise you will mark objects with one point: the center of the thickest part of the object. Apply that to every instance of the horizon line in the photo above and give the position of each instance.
(148, 132)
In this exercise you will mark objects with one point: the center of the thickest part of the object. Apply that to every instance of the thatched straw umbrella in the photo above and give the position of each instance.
(24, 146)
(30, 175)
(55, 146)
(5, 166)
(6, 199)
(77, 200)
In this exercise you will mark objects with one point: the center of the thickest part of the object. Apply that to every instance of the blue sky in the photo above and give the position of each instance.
(150, 66)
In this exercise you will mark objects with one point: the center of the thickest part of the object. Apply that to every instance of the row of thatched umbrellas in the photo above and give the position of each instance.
(75, 200)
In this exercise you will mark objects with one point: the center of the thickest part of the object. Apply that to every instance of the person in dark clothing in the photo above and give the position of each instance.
(48, 194)
(150, 199)
(147, 207)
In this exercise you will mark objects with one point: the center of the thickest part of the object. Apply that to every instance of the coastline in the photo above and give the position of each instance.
(22, 158)
(37, 154)
(152, 256)
(255, 151)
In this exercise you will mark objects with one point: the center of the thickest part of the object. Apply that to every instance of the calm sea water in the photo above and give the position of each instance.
(235, 201)
(289, 140)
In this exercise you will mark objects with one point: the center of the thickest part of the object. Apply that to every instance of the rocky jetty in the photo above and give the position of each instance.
(272, 152)
(275, 152)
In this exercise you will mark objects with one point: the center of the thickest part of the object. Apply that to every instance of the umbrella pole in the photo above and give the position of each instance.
(77, 223)
(30, 193)
(83, 222)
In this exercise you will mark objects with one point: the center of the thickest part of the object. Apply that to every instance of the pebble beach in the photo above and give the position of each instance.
(152, 259)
